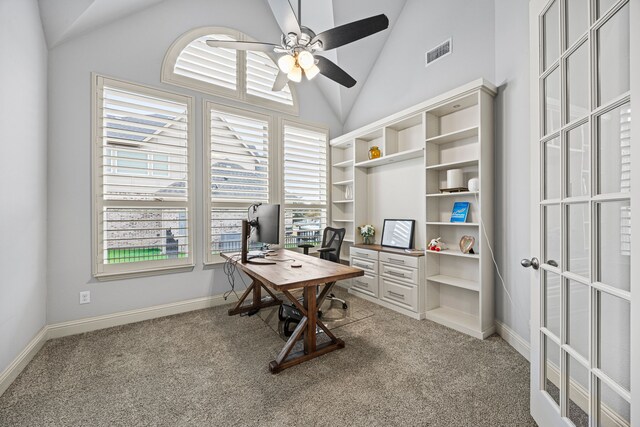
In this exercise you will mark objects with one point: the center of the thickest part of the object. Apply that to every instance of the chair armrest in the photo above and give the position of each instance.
(326, 250)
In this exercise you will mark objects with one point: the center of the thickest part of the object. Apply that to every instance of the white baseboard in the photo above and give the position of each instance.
(22, 360)
(63, 329)
(74, 327)
(513, 339)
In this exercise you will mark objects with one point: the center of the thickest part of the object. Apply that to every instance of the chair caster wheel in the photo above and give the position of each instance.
(344, 306)
(332, 295)
(319, 314)
(281, 313)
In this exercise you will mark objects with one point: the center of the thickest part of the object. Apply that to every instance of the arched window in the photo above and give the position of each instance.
(243, 75)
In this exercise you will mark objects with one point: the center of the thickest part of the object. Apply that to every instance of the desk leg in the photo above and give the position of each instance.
(307, 326)
(256, 303)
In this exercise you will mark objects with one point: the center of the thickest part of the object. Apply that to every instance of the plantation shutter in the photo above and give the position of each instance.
(305, 166)
(261, 74)
(239, 157)
(213, 65)
(305, 184)
(142, 182)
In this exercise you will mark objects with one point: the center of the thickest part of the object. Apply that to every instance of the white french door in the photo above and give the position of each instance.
(585, 344)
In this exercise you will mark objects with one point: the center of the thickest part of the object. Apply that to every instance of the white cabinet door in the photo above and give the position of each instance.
(585, 326)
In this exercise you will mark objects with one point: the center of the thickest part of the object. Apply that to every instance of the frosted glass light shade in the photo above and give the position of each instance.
(286, 63)
(295, 74)
(306, 60)
(311, 72)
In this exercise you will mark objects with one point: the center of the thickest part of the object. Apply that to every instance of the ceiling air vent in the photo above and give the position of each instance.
(437, 52)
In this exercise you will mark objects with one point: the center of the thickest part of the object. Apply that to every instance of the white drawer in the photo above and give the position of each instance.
(397, 293)
(366, 264)
(367, 284)
(364, 253)
(406, 261)
(396, 272)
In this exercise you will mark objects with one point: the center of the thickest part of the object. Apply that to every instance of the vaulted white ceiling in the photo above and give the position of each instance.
(64, 20)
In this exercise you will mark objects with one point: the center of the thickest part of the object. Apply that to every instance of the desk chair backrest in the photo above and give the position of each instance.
(332, 238)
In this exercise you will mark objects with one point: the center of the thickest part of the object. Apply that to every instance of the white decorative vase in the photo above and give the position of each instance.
(474, 184)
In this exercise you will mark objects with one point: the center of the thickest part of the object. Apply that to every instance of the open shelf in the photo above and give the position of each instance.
(453, 165)
(397, 157)
(454, 252)
(345, 182)
(455, 281)
(345, 164)
(454, 136)
(460, 194)
(470, 224)
(454, 318)
(342, 220)
(343, 201)
(347, 240)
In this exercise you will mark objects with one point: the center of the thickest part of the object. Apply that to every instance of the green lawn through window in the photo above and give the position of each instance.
(115, 256)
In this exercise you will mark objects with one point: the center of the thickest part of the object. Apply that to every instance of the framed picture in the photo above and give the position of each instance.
(398, 233)
(460, 212)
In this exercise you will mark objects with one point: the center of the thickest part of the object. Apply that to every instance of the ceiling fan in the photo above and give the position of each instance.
(299, 45)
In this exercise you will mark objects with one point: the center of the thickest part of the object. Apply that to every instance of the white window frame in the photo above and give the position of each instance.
(315, 128)
(142, 268)
(240, 93)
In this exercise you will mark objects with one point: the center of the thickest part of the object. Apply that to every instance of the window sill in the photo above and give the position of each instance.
(106, 277)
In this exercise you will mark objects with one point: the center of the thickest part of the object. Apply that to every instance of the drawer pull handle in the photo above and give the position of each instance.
(361, 254)
(358, 282)
(395, 273)
(366, 267)
(397, 261)
(395, 294)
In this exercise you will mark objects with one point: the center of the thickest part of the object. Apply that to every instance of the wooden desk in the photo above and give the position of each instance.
(282, 277)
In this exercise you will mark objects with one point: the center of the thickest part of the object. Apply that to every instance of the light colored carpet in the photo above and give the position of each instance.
(205, 368)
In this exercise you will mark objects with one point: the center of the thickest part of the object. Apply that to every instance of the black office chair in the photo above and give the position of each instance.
(330, 250)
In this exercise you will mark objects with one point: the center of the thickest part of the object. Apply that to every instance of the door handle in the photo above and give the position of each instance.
(552, 263)
(533, 262)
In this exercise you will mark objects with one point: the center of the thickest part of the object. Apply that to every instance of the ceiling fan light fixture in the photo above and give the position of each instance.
(286, 63)
(306, 59)
(295, 74)
(311, 72)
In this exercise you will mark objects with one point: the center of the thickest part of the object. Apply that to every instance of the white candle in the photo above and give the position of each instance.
(454, 178)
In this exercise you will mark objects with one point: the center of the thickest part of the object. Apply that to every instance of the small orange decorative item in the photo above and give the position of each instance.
(374, 152)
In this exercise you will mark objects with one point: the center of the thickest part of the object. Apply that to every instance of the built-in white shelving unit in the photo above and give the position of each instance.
(419, 145)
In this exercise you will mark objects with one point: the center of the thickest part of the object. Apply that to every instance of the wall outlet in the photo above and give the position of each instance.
(85, 297)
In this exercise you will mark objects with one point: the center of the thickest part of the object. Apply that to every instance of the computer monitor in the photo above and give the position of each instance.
(265, 221)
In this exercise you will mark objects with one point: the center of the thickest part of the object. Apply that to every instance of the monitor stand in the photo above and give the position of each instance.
(246, 232)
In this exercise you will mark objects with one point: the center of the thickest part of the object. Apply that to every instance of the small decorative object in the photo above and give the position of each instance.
(455, 178)
(473, 184)
(466, 244)
(437, 245)
(348, 192)
(367, 231)
(460, 212)
(374, 152)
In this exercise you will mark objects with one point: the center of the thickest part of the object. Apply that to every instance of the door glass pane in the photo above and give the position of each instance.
(614, 338)
(578, 83)
(551, 31)
(613, 56)
(613, 410)
(614, 244)
(552, 102)
(578, 407)
(552, 234)
(552, 158)
(614, 150)
(577, 12)
(578, 239)
(579, 161)
(552, 369)
(552, 302)
(578, 317)
(604, 6)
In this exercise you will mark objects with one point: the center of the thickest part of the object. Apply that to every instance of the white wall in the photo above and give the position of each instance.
(399, 78)
(23, 150)
(132, 49)
(512, 168)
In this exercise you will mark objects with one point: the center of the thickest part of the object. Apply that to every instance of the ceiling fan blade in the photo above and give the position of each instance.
(335, 73)
(281, 81)
(285, 16)
(347, 33)
(227, 44)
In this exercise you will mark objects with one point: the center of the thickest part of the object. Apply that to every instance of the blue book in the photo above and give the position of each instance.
(460, 212)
